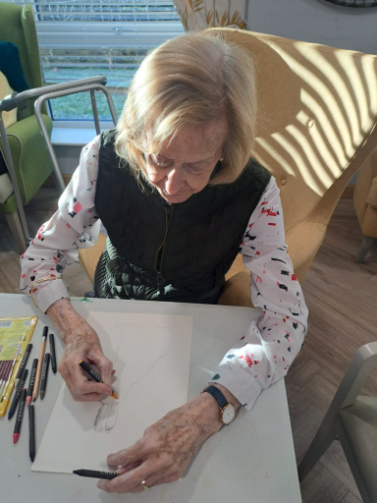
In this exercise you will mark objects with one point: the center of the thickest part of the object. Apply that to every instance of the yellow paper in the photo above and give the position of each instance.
(15, 335)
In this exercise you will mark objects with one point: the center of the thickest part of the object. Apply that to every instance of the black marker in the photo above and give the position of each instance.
(16, 397)
(88, 369)
(46, 365)
(52, 353)
(20, 415)
(31, 433)
(29, 395)
(96, 475)
(23, 364)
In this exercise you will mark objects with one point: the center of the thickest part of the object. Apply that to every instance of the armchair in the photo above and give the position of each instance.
(365, 201)
(317, 126)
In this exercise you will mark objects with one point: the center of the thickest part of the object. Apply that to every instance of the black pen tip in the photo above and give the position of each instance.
(32, 456)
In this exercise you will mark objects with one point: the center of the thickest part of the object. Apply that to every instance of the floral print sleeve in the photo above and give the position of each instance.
(266, 351)
(75, 225)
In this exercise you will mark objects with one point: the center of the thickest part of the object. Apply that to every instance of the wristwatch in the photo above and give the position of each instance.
(227, 410)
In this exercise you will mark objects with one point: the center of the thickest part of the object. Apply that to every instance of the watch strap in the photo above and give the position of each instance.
(217, 395)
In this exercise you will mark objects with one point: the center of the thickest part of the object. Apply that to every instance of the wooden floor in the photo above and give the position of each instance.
(342, 299)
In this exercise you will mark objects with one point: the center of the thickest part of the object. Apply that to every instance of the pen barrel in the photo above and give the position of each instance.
(96, 474)
(88, 369)
(31, 431)
(46, 363)
(39, 368)
(52, 353)
(32, 377)
(20, 413)
(18, 393)
(24, 360)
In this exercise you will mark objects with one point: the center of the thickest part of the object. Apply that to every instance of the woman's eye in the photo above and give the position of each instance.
(196, 169)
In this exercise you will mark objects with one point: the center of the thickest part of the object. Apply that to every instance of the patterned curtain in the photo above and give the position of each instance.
(201, 14)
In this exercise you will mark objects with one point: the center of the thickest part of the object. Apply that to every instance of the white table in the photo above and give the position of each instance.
(251, 461)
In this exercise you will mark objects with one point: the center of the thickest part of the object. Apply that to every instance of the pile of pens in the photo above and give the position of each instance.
(6, 371)
(37, 385)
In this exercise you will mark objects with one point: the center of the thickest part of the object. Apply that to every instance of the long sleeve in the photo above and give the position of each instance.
(75, 225)
(266, 351)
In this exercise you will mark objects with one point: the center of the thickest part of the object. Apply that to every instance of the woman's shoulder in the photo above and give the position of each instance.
(255, 174)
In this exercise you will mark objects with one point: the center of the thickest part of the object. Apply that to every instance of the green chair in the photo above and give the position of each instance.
(30, 156)
(351, 419)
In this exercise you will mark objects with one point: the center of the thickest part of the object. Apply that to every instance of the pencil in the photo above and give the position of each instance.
(88, 369)
(40, 363)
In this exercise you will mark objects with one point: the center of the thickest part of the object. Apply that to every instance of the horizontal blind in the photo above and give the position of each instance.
(83, 38)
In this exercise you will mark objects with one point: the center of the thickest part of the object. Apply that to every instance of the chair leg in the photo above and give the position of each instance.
(365, 247)
(352, 462)
(316, 450)
(17, 232)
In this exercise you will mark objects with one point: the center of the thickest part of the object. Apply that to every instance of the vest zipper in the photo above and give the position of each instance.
(160, 253)
(161, 249)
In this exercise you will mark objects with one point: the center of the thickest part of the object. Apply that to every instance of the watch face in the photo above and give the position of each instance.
(229, 413)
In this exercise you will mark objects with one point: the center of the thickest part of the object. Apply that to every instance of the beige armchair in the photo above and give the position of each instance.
(317, 118)
(365, 200)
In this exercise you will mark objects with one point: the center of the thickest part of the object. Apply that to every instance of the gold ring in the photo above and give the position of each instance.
(145, 487)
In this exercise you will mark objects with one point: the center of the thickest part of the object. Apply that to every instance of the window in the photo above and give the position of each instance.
(83, 38)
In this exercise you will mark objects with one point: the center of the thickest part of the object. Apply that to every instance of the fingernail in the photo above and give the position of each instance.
(100, 484)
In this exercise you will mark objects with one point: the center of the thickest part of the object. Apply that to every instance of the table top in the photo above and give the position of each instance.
(250, 460)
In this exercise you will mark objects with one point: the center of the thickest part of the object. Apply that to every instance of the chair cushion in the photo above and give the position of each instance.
(31, 159)
(360, 424)
(10, 65)
(9, 118)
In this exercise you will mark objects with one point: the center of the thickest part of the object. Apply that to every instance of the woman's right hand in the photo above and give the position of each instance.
(81, 343)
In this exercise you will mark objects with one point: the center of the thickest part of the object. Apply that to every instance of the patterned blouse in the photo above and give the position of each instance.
(266, 351)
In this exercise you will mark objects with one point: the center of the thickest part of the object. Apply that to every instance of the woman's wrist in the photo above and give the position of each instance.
(71, 326)
(208, 419)
(228, 395)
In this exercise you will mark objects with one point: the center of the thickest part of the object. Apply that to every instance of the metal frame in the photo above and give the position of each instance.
(91, 84)
(331, 428)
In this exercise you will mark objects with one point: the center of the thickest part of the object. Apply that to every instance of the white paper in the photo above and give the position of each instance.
(151, 355)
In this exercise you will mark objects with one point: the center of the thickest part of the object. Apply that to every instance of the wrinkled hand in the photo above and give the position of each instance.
(81, 343)
(166, 448)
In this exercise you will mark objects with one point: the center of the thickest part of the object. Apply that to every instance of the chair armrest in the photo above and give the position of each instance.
(372, 194)
(12, 101)
(89, 257)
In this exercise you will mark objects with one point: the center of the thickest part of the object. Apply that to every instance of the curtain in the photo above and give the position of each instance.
(201, 14)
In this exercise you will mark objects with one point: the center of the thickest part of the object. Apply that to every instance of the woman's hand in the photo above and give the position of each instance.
(81, 343)
(166, 448)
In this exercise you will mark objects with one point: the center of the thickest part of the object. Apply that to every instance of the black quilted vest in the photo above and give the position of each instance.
(179, 253)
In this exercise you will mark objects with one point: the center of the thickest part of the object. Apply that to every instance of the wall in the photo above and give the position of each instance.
(316, 21)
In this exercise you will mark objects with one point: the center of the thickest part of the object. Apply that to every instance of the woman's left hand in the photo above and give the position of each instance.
(166, 448)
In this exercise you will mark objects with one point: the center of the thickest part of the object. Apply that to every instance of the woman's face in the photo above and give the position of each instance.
(184, 167)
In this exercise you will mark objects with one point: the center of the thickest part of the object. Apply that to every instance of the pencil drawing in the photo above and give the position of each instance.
(107, 415)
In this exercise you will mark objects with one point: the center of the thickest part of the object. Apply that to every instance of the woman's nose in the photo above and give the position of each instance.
(174, 181)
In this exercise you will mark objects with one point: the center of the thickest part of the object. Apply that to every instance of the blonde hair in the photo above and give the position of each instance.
(191, 80)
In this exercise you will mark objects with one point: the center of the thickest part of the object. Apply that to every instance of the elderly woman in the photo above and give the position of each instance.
(180, 196)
